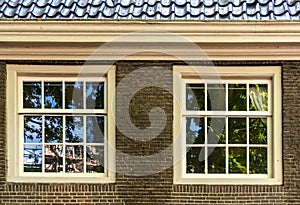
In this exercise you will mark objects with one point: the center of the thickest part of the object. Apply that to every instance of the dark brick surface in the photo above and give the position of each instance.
(158, 188)
(3, 164)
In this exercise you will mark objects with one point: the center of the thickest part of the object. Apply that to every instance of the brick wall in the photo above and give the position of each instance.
(132, 187)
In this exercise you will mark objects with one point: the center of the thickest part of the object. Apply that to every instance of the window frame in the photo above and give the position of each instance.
(182, 74)
(15, 114)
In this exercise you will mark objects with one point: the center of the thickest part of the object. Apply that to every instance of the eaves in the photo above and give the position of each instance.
(226, 40)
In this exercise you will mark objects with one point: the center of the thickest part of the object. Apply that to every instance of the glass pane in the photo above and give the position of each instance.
(195, 160)
(258, 97)
(238, 160)
(74, 159)
(237, 130)
(32, 95)
(32, 161)
(258, 160)
(195, 97)
(94, 129)
(53, 94)
(53, 158)
(95, 95)
(74, 95)
(32, 129)
(95, 159)
(216, 159)
(74, 129)
(237, 97)
(195, 130)
(53, 129)
(216, 133)
(216, 97)
(258, 131)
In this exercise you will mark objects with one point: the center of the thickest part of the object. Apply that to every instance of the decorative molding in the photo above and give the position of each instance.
(77, 40)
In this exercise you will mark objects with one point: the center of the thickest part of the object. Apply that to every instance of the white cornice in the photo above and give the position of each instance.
(104, 31)
(77, 40)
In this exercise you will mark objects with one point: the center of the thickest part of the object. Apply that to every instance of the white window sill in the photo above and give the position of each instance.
(228, 181)
(62, 179)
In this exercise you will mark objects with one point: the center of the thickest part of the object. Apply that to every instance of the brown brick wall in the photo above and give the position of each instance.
(158, 188)
(3, 164)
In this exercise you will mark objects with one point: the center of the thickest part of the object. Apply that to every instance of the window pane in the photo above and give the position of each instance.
(216, 159)
(32, 129)
(53, 129)
(53, 158)
(74, 129)
(95, 159)
(216, 97)
(95, 95)
(53, 94)
(32, 161)
(237, 97)
(258, 130)
(195, 97)
(258, 160)
(258, 97)
(237, 130)
(195, 160)
(32, 95)
(194, 130)
(74, 95)
(74, 159)
(216, 133)
(238, 160)
(94, 129)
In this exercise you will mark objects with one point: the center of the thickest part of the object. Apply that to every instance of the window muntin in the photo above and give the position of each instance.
(224, 75)
(227, 127)
(65, 125)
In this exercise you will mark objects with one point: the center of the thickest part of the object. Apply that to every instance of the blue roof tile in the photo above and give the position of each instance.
(152, 9)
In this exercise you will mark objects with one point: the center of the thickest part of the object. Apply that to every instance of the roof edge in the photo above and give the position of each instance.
(106, 31)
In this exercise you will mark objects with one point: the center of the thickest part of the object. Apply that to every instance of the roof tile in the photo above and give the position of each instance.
(27, 3)
(166, 2)
(52, 12)
(13, 3)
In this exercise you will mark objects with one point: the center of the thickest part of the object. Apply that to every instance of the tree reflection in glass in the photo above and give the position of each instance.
(258, 97)
(74, 129)
(258, 160)
(74, 95)
(258, 130)
(95, 159)
(95, 95)
(195, 160)
(237, 97)
(238, 160)
(216, 133)
(53, 94)
(94, 129)
(237, 130)
(195, 130)
(74, 159)
(53, 129)
(32, 129)
(53, 158)
(32, 95)
(32, 158)
(195, 97)
(216, 159)
(216, 97)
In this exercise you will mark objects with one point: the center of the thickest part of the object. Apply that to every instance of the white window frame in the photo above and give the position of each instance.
(186, 74)
(15, 75)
